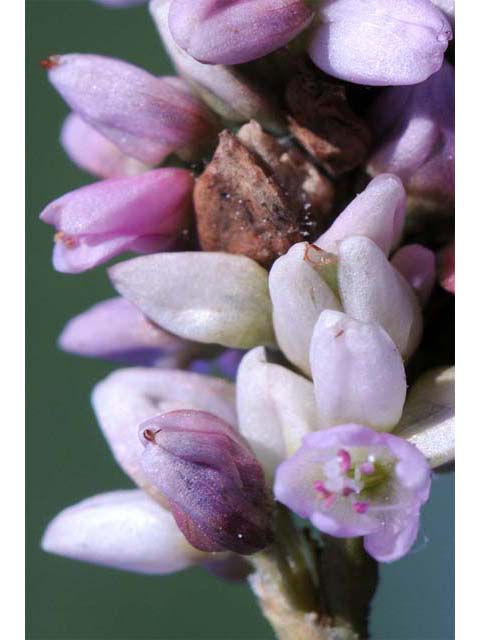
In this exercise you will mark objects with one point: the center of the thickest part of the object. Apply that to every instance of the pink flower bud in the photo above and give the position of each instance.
(380, 42)
(94, 153)
(144, 213)
(235, 31)
(214, 484)
(145, 117)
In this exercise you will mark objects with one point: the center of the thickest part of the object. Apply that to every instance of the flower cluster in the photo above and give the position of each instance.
(295, 226)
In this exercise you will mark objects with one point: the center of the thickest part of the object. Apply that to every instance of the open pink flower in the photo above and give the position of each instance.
(352, 481)
(144, 213)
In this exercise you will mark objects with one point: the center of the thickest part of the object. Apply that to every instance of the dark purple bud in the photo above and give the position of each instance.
(213, 482)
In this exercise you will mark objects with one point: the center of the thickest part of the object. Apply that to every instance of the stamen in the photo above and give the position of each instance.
(322, 489)
(360, 507)
(344, 460)
(347, 491)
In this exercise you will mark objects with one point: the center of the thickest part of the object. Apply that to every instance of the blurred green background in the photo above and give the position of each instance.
(67, 458)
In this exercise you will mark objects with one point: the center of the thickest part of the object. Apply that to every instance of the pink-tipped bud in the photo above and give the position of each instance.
(144, 116)
(213, 482)
(220, 32)
(143, 213)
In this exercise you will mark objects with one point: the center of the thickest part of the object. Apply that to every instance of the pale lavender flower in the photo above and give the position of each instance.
(376, 42)
(144, 116)
(144, 213)
(122, 529)
(214, 484)
(414, 128)
(116, 330)
(380, 42)
(358, 373)
(352, 481)
(94, 153)
(236, 31)
(417, 265)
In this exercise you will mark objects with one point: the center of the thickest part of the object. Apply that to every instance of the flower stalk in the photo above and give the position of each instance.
(312, 593)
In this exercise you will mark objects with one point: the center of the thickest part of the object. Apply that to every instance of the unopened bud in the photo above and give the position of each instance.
(225, 89)
(214, 484)
(144, 116)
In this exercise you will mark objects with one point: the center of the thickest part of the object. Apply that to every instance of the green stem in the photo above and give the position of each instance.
(292, 592)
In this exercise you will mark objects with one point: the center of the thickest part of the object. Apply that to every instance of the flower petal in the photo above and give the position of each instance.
(220, 32)
(94, 153)
(144, 116)
(377, 213)
(127, 397)
(299, 294)
(207, 297)
(417, 265)
(373, 291)
(124, 530)
(222, 88)
(116, 330)
(358, 373)
(380, 42)
(428, 421)
(275, 406)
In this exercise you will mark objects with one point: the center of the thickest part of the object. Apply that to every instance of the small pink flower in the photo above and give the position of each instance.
(144, 213)
(379, 496)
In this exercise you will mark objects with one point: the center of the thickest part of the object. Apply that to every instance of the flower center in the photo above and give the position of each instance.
(354, 480)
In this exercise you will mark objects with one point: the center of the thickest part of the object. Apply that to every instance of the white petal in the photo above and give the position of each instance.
(377, 213)
(428, 420)
(121, 529)
(299, 294)
(207, 297)
(275, 406)
(373, 291)
(358, 373)
(127, 397)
